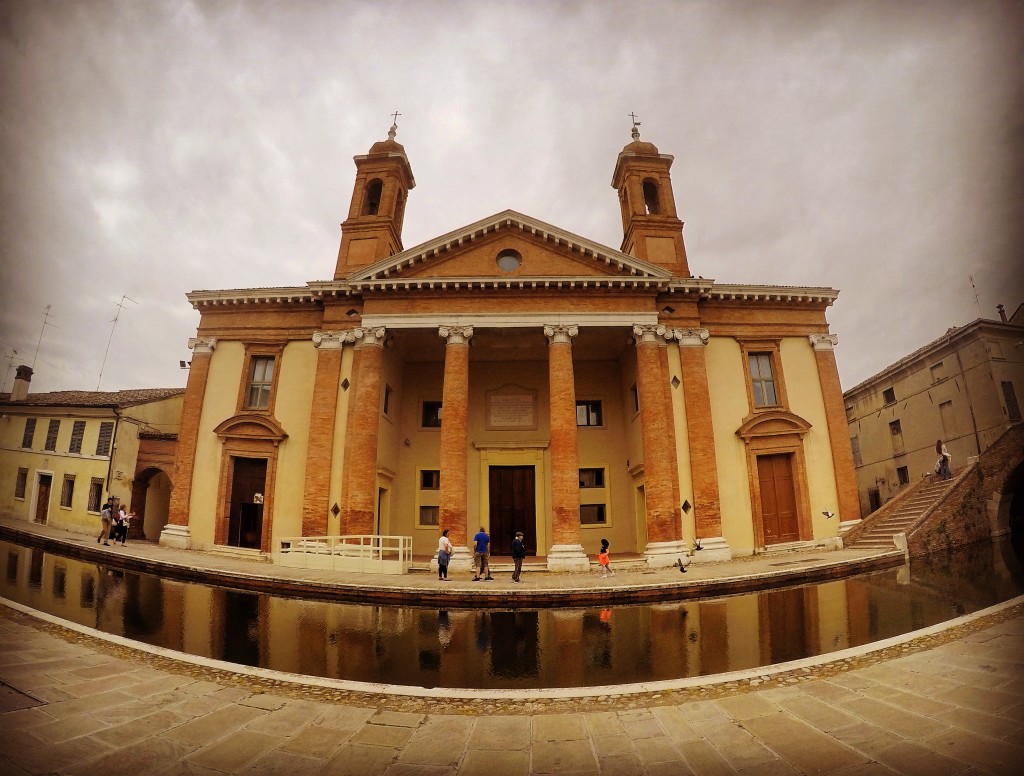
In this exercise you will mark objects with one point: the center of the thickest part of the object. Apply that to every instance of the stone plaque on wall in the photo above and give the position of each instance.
(512, 408)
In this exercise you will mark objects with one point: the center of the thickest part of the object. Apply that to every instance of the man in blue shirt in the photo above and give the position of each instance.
(480, 555)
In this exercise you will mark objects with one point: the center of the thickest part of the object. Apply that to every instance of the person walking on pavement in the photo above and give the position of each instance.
(602, 558)
(105, 518)
(481, 564)
(518, 554)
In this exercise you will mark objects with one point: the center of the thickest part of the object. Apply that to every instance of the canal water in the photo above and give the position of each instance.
(524, 648)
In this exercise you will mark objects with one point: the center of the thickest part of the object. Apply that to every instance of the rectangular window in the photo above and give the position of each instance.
(889, 395)
(762, 380)
(635, 395)
(388, 393)
(430, 417)
(21, 483)
(77, 434)
(1010, 396)
(429, 515)
(591, 478)
(592, 514)
(588, 413)
(430, 479)
(95, 494)
(948, 418)
(67, 493)
(896, 434)
(855, 444)
(903, 474)
(51, 435)
(938, 372)
(30, 432)
(261, 378)
(103, 441)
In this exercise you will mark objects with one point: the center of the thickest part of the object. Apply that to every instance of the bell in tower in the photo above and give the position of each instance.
(373, 229)
(651, 229)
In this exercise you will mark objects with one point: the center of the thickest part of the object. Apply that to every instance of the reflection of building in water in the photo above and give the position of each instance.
(538, 648)
(512, 374)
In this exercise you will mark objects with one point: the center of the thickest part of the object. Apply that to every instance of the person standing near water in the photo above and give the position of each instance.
(444, 555)
(105, 517)
(518, 554)
(481, 564)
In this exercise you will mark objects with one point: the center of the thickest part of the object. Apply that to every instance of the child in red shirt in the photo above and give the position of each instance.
(602, 558)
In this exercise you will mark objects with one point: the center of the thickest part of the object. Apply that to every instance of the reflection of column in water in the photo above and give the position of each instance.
(668, 639)
(444, 629)
(567, 627)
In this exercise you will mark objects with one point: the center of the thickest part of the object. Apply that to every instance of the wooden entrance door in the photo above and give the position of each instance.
(248, 484)
(43, 498)
(513, 508)
(778, 498)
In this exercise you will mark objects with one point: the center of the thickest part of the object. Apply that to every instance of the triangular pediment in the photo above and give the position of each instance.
(546, 251)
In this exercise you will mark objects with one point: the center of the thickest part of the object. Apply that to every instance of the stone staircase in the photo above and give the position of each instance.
(879, 535)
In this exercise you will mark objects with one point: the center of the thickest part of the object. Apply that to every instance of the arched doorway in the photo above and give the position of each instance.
(151, 500)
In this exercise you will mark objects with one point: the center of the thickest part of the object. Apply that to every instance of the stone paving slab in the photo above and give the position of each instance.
(949, 702)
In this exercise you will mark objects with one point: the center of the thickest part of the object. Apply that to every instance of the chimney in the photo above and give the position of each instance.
(1002, 312)
(22, 377)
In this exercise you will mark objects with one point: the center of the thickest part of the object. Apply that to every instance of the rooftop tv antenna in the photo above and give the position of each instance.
(977, 301)
(46, 315)
(10, 365)
(113, 325)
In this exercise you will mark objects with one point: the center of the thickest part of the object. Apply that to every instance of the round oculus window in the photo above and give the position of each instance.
(509, 260)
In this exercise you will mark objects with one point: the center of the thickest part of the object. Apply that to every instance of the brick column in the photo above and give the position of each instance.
(454, 492)
(566, 551)
(176, 533)
(838, 428)
(322, 415)
(360, 496)
(664, 531)
(701, 433)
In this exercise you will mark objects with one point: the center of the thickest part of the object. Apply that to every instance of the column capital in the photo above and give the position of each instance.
(691, 338)
(371, 336)
(455, 335)
(647, 332)
(823, 341)
(560, 332)
(202, 344)
(332, 340)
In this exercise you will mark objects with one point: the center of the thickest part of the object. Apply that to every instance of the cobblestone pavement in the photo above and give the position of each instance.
(951, 702)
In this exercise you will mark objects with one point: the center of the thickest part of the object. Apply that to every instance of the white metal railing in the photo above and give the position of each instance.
(365, 553)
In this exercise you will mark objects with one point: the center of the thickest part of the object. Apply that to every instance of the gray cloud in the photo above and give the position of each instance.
(150, 149)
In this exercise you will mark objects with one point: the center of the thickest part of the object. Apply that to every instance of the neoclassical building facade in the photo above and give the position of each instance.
(516, 376)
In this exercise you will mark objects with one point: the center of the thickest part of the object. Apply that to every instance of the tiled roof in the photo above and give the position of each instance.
(127, 398)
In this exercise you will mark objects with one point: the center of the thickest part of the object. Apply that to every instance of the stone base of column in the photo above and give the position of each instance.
(568, 557)
(176, 536)
(662, 554)
(712, 548)
(462, 560)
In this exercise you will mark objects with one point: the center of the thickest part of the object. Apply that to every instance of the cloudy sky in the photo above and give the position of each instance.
(153, 148)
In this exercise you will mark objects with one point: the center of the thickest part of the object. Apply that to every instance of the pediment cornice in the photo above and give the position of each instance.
(446, 244)
(251, 426)
(771, 423)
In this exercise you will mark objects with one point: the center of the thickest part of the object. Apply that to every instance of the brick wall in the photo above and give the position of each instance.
(962, 517)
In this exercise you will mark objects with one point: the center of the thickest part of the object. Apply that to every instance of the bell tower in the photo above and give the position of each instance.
(651, 229)
(373, 229)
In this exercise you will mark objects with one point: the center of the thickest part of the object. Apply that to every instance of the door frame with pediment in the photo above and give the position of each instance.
(515, 454)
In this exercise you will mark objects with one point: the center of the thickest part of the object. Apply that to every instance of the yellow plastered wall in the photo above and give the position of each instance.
(219, 403)
(682, 440)
(728, 390)
(423, 382)
(804, 390)
(291, 408)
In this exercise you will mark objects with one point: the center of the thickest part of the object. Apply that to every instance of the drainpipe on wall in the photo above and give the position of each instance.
(113, 447)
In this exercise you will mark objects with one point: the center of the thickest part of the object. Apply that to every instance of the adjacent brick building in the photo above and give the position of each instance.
(514, 375)
(960, 389)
